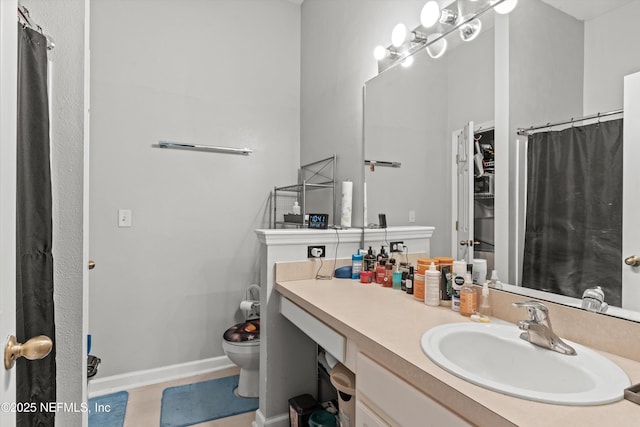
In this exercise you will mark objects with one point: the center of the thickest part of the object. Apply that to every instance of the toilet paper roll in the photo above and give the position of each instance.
(347, 202)
(246, 305)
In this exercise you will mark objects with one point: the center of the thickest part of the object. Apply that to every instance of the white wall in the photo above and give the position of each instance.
(608, 43)
(64, 20)
(208, 72)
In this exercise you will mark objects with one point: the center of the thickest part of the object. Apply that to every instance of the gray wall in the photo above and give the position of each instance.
(208, 72)
(64, 20)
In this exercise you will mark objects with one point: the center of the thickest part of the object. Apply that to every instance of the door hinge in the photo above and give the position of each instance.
(456, 225)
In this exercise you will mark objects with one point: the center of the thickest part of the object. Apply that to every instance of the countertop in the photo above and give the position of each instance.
(387, 324)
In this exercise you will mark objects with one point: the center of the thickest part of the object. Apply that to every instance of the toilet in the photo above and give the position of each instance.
(241, 344)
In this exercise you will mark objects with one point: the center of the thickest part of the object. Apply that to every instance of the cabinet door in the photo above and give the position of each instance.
(365, 417)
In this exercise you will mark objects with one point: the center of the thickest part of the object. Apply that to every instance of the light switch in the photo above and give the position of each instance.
(124, 218)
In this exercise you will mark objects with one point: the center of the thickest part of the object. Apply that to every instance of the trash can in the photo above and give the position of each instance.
(345, 382)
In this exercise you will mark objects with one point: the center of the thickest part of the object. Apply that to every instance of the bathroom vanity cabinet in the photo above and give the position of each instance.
(398, 385)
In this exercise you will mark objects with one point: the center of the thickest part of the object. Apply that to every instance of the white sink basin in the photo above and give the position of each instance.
(493, 356)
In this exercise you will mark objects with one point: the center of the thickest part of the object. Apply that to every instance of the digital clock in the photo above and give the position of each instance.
(319, 221)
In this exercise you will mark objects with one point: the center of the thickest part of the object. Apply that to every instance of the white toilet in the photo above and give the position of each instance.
(241, 344)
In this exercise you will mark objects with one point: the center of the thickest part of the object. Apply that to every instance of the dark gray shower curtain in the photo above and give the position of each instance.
(36, 380)
(573, 234)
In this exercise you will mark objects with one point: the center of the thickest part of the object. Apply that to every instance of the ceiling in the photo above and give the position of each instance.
(585, 10)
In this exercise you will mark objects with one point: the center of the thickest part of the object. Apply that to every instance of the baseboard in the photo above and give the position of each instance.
(115, 383)
(277, 421)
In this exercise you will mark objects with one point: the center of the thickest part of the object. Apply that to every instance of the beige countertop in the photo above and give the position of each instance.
(387, 325)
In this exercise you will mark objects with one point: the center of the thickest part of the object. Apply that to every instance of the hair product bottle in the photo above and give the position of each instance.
(468, 297)
(432, 286)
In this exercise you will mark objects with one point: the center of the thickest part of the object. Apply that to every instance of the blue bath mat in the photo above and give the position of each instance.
(205, 401)
(108, 410)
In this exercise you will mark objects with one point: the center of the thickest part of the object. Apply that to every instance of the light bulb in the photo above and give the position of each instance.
(430, 14)
(437, 49)
(407, 62)
(470, 30)
(505, 7)
(380, 52)
(398, 35)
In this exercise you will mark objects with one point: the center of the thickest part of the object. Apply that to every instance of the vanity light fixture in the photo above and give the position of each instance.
(399, 35)
(381, 52)
(470, 30)
(436, 48)
(408, 61)
(407, 43)
(504, 7)
(430, 14)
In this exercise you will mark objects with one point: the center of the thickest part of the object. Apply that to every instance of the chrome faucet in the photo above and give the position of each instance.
(538, 330)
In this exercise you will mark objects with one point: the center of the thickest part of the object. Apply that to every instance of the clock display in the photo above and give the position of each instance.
(320, 221)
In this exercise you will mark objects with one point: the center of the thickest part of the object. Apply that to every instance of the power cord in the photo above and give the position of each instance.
(335, 260)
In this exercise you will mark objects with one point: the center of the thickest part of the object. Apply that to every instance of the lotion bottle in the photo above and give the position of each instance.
(432, 286)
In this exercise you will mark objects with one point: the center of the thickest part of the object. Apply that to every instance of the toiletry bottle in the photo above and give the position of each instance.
(418, 284)
(409, 281)
(485, 306)
(432, 286)
(369, 260)
(296, 208)
(382, 255)
(381, 272)
(404, 269)
(356, 265)
(468, 297)
(459, 270)
(396, 281)
(494, 282)
(388, 278)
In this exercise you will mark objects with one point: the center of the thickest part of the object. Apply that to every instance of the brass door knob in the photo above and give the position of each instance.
(469, 243)
(91, 264)
(36, 348)
(633, 260)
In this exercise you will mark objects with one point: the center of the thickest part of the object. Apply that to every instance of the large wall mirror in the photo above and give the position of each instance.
(549, 61)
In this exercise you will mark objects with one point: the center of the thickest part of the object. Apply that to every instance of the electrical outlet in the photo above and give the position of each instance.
(396, 246)
(316, 251)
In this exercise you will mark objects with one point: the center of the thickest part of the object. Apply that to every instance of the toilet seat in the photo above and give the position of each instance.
(243, 334)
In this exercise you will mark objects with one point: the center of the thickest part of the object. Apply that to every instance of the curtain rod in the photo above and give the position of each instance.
(225, 150)
(526, 131)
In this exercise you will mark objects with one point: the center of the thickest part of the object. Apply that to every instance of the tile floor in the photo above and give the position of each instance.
(143, 408)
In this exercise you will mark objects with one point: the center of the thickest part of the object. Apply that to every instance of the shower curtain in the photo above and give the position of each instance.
(573, 233)
(36, 380)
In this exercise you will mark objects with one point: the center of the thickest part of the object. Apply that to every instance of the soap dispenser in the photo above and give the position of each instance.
(369, 261)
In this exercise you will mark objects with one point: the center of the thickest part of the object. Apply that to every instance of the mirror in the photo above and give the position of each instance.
(412, 114)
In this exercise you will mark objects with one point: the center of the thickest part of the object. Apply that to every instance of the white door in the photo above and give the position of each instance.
(463, 194)
(630, 194)
(8, 102)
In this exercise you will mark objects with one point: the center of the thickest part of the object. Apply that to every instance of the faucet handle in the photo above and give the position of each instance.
(538, 312)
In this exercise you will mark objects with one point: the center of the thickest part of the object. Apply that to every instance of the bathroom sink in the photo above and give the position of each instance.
(493, 356)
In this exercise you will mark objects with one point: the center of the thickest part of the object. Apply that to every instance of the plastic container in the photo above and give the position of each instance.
(432, 286)
(369, 261)
(418, 286)
(459, 271)
(356, 265)
(479, 271)
(468, 297)
(345, 382)
(366, 277)
(300, 409)
(322, 419)
(387, 282)
(397, 280)
(381, 272)
(485, 306)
